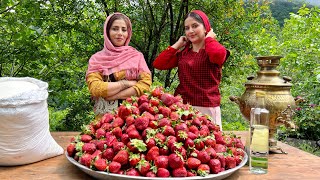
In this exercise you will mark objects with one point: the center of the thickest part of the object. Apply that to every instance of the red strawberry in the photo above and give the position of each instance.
(134, 134)
(134, 159)
(175, 161)
(199, 144)
(160, 138)
(110, 140)
(158, 116)
(178, 147)
(191, 174)
(203, 156)
(114, 167)
(100, 164)
(193, 163)
(212, 153)
(149, 116)
(230, 162)
(164, 150)
(204, 131)
(146, 132)
(196, 122)
(107, 118)
(162, 172)
(239, 143)
(143, 167)
(179, 172)
(222, 159)
(117, 131)
(154, 101)
(142, 99)
(153, 110)
(89, 148)
(108, 154)
(97, 154)
(130, 128)
(100, 133)
(219, 148)
(135, 109)
(71, 149)
(164, 122)
(238, 159)
(101, 145)
(118, 122)
(203, 170)
(88, 129)
(85, 159)
(124, 110)
(137, 145)
(233, 150)
(182, 127)
(168, 131)
(117, 146)
(106, 126)
(168, 99)
(153, 124)
(133, 172)
(141, 123)
(96, 124)
(215, 166)
(151, 174)
(189, 144)
(157, 92)
(165, 111)
(153, 153)
(240, 152)
(125, 138)
(181, 135)
(174, 116)
(192, 136)
(86, 138)
(210, 141)
(150, 143)
(129, 120)
(144, 107)
(170, 141)
(219, 138)
(194, 129)
(122, 157)
(161, 162)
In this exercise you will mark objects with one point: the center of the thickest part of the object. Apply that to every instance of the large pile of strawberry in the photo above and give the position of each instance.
(156, 135)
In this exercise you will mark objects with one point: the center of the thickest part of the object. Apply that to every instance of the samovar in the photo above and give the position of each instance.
(278, 99)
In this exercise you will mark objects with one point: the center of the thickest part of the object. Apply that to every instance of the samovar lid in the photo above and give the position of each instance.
(268, 75)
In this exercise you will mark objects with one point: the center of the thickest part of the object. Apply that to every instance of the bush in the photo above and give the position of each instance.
(307, 118)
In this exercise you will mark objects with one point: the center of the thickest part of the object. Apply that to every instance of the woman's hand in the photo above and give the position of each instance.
(180, 43)
(127, 84)
(211, 34)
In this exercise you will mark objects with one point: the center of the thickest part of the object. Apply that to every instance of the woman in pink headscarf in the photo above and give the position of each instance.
(199, 58)
(118, 71)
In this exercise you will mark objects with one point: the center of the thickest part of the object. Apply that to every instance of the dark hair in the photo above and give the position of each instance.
(195, 16)
(116, 17)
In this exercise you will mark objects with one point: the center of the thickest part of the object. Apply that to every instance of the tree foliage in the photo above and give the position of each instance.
(53, 40)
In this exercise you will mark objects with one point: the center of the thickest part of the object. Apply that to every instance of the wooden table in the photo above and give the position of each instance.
(296, 164)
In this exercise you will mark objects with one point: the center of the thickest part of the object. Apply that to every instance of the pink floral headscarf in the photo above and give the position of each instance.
(113, 59)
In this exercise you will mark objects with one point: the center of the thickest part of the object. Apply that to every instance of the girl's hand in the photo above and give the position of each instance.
(180, 43)
(211, 34)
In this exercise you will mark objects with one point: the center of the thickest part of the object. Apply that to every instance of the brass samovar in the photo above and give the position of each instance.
(278, 99)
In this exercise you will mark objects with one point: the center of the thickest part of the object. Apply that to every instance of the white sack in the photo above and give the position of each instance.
(24, 122)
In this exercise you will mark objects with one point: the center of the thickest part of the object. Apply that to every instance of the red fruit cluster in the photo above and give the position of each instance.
(156, 135)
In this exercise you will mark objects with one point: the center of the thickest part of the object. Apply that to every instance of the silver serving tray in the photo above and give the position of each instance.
(112, 176)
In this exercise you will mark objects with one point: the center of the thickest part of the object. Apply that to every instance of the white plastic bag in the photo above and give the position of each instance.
(24, 122)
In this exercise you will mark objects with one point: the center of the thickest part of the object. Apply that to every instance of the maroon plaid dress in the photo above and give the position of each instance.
(199, 72)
